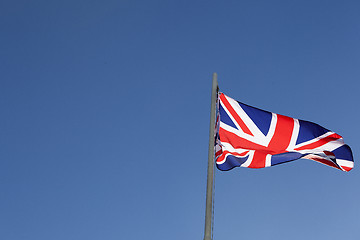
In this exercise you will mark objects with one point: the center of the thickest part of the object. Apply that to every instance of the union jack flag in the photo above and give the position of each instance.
(250, 137)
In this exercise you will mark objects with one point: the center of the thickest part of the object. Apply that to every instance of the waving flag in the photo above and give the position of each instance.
(254, 138)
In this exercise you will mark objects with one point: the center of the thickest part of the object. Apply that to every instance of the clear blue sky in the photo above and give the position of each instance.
(105, 114)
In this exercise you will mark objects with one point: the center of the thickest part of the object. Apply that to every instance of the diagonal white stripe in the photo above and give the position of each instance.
(330, 146)
(345, 163)
(259, 137)
(314, 140)
(247, 120)
(294, 135)
(249, 160)
(268, 160)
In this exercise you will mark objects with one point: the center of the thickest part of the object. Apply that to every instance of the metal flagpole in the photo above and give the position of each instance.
(210, 171)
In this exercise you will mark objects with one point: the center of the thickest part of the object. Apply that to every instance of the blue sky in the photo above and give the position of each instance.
(105, 117)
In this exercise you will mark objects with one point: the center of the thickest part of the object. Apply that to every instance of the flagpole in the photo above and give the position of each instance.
(210, 171)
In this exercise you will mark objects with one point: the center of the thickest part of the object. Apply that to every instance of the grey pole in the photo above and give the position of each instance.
(210, 171)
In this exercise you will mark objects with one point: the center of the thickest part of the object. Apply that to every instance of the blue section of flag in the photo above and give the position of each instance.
(285, 157)
(309, 131)
(224, 117)
(261, 118)
(343, 152)
(231, 162)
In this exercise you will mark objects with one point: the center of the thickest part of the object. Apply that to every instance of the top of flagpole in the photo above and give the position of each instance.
(215, 81)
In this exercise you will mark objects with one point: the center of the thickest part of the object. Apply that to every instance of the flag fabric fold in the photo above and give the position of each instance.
(250, 137)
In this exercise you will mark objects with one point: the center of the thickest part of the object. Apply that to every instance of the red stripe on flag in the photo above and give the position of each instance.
(279, 142)
(346, 168)
(258, 160)
(320, 142)
(282, 136)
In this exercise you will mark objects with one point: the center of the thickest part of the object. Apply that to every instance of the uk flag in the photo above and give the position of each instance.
(250, 137)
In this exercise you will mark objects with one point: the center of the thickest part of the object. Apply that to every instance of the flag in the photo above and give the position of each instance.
(250, 137)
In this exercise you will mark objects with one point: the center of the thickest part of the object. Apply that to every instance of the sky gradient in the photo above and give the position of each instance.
(105, 117)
